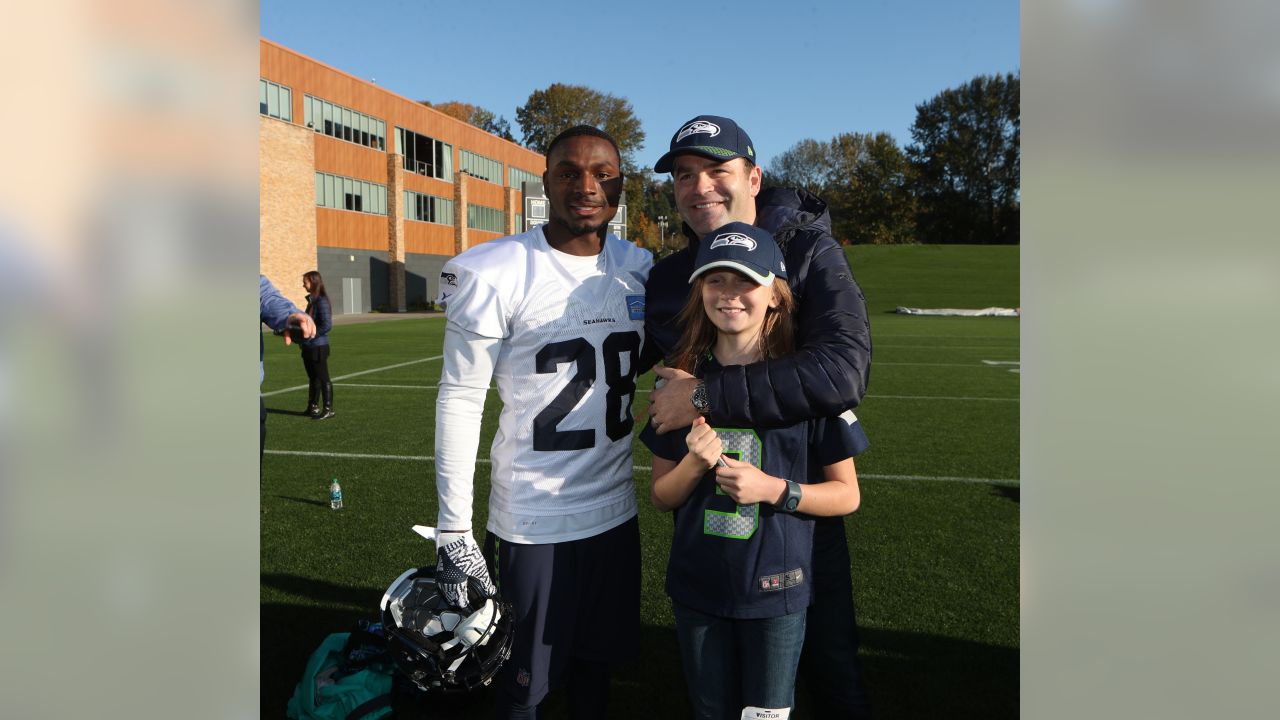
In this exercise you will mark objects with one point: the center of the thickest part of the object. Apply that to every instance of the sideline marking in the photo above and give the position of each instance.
(642, 468)
(647, 392)
(1017, 370)
(354, 374)
(964, 365)
(938, 397)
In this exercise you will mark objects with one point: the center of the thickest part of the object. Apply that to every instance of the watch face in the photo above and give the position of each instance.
(793, 503)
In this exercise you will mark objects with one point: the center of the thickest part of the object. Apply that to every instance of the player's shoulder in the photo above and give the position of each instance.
(628, 253)
(497, 258)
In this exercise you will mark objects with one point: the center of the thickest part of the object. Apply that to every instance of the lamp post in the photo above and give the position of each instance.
(662, 228)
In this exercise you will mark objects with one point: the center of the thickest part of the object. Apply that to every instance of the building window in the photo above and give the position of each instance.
(344, 193)
(517, 177)
(344, 124)
(427, 208)
(480, 166)
(424, 155)
(275, 100)
(480, 217)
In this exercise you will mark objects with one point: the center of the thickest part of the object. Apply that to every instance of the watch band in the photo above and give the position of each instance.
(791, 500)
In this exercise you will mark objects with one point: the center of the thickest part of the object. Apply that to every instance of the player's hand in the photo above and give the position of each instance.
(704, 443)
(303, 322)
(669, 403)
(746, 484)
(458, 558)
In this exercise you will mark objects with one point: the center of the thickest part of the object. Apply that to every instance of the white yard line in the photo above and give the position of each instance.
(355, 374)
(964, 365)
(994, 348)
(641, 468)
(399, 387)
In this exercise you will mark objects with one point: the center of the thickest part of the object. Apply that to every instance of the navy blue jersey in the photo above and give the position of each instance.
(751, 561)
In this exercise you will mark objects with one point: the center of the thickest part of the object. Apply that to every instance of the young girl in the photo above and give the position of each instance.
(315, 352)
(743, 499)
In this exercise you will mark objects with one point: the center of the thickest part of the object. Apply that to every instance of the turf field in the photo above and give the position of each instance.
(935, 543)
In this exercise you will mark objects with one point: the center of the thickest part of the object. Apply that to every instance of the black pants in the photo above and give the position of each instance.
(315, 358)
(829, 664)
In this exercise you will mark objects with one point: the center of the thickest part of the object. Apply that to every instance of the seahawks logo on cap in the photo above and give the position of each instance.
(698, 126)
(737, 239)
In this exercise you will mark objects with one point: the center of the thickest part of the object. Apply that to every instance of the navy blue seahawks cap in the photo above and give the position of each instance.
(712, 136)
(742, 247)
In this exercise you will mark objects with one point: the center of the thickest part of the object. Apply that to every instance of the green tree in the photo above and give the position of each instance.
(865, 180)
(475, 115)
(967, 157)
(549, 112)
(870, 190)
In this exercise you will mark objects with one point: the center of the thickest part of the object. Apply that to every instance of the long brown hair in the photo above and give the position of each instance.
(317, 289)
(698, 333)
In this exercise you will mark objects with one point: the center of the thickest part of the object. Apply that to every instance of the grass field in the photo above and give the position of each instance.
(934, 545)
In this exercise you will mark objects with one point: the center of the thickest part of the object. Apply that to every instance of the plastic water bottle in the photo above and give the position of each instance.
(335, 495)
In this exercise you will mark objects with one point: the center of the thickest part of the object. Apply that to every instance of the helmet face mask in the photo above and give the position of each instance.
(443, 648)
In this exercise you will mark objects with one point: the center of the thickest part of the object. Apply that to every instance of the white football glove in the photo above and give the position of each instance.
(457, 558)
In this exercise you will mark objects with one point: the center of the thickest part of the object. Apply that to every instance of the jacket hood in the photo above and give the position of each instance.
(782, 211)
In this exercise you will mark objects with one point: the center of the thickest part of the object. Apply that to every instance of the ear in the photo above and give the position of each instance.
(754, 179)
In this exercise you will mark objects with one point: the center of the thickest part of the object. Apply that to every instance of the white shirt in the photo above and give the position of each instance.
(561, 334)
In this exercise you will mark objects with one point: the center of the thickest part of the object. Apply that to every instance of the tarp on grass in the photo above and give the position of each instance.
(984, 312)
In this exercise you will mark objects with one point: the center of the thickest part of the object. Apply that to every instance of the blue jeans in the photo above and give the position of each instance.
(731, 664)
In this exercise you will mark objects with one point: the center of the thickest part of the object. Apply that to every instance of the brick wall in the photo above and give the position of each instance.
(287, 205)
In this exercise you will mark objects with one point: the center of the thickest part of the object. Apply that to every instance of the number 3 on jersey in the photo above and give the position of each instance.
(742, 521)
(621, 384)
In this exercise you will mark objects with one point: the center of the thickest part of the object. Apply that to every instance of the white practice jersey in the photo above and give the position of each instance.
(571, 329)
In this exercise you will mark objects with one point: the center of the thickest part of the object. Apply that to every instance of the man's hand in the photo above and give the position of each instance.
(669, 404)
(458, 558)
(299, 320)
(746, 484)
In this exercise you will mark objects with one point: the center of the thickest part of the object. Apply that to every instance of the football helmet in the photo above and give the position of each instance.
(441, 647)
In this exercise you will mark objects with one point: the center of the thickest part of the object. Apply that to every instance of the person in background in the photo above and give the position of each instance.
(712, 162)
(278, 313)
(315, 351)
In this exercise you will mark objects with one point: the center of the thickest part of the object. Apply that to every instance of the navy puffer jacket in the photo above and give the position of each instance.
(832, 365)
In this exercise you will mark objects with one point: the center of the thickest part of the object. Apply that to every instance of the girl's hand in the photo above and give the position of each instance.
(704, 444)
(748, 484)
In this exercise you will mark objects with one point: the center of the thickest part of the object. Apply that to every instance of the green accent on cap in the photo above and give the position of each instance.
(751, 152)
(710, 150)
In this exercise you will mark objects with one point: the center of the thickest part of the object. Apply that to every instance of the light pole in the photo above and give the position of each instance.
(662, 228)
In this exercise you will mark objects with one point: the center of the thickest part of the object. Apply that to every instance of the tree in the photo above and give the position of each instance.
(475, 115)
(807, 164)
(549, 112)
(871, 190)
(967, 157)
(865, 180)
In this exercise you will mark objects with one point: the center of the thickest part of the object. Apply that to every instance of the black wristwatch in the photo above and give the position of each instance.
(699, 399)
(791, 500)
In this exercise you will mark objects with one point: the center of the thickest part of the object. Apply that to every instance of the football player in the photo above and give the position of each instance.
(556, 316)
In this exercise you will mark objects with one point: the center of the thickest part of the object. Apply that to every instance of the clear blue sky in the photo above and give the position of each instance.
(784, 70)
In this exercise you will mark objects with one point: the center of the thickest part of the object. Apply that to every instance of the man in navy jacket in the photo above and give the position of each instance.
(716, 180)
